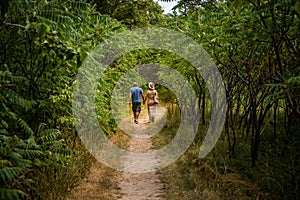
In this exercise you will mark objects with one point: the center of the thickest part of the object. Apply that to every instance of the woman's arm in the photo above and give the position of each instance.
(145, 97)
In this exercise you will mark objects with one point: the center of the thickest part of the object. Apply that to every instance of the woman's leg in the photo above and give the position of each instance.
(152, 112)
(149, 112)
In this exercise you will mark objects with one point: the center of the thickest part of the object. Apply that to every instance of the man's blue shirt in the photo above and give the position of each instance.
(136, 92)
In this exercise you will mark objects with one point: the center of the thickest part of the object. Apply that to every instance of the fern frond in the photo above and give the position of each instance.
(7, 114)
(52, 24)
(65, 152)
(15, 158)
(56, 15)
(49, 135)
(42, 127)
(11, 194)
(53, 146)
(8, 174)
(25, 127)
(29, 144)
(13, 98)
(77, 5)
(29, 153)
(294, 80)
(3, 124)
(3, 131)
(8, 77)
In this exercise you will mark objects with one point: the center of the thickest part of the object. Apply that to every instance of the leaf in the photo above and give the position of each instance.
(10, 173)
(42, 29)
(49, 135)
(25, 127)
(294, 80)
(297, 7)
(11, 194)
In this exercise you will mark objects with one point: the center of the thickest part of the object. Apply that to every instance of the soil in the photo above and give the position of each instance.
(124, 185)
(141, 186)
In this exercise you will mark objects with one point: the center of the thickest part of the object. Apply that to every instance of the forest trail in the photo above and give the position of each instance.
(125, 185)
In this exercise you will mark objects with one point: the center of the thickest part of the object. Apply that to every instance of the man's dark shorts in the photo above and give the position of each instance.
(136, 107)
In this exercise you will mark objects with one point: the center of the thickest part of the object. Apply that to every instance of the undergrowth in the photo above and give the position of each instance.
(100, 181)
(220, 176)
(58, 183)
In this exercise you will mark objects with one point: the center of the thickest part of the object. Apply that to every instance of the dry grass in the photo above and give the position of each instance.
(97, 185)
(193, 178)
(57, 183)
(101, 182)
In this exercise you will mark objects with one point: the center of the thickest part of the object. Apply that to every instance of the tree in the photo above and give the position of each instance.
(132, 13)
(42, 46)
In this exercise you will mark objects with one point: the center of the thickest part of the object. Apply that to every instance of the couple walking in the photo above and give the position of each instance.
(151, 97)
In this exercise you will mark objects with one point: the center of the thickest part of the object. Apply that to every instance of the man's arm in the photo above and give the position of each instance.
(129, 98)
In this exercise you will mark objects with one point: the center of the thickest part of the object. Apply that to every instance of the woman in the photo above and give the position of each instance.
(152, 97)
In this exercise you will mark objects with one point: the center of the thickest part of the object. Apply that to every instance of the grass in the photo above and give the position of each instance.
(58, 183)
(100, 182)
(217, 176)
(83, 178)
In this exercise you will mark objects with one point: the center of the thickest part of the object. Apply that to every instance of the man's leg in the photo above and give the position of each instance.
(133, 111)
(137, 115)
(137, 112)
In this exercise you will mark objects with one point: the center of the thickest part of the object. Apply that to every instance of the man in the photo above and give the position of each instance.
(136, 93)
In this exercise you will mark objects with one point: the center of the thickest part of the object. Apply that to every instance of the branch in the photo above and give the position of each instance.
(17, 25)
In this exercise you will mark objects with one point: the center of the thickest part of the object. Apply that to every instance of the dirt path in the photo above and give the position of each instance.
(141, 186)
(123, 185)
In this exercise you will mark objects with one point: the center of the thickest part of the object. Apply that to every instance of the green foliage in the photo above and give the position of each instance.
(11, 194)
(42, 46)
(21, 157)
(255, 46)
(43, 43)
(132, 13)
